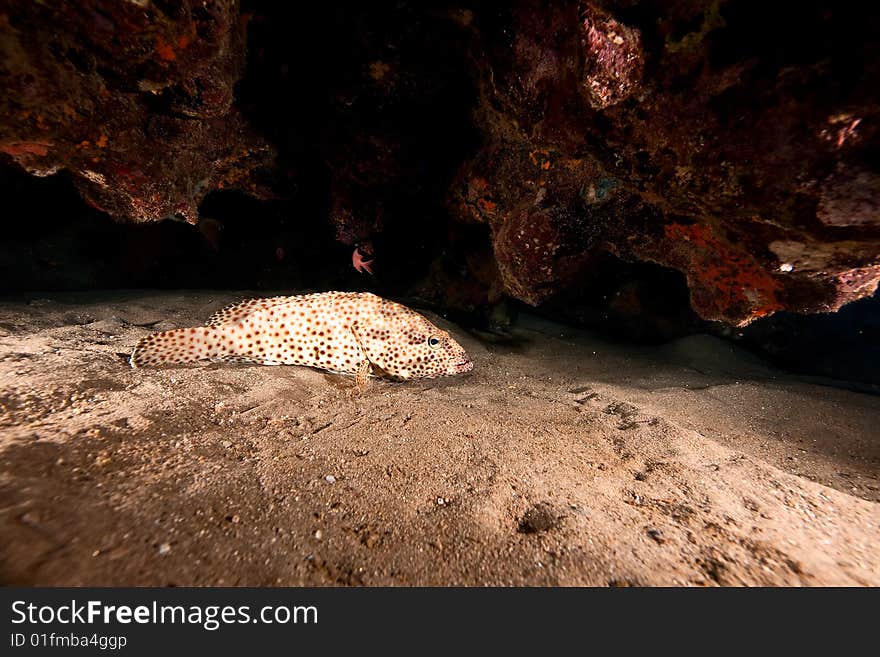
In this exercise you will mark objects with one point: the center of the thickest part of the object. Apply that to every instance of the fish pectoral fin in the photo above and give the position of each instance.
(364, 354)
(368, 365)
(365, 366)
(362, 374)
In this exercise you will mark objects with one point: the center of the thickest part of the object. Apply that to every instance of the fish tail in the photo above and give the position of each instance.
(186, 345)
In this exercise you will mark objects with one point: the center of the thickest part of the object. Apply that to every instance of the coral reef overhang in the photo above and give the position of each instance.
(478, 151)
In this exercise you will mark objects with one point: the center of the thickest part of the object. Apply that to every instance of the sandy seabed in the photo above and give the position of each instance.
(560, 460)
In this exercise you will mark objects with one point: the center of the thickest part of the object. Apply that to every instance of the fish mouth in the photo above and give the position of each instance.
(464, 365)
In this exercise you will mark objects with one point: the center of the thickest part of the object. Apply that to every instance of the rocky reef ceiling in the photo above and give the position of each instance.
(507, 148)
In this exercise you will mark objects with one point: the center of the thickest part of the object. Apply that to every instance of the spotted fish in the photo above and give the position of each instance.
(345, 332)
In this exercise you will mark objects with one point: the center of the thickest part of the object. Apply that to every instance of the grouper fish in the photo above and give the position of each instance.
(354, 333)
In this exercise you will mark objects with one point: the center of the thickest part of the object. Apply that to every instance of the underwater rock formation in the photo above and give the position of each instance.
(736, 143)
(484, 150)
(133, 98)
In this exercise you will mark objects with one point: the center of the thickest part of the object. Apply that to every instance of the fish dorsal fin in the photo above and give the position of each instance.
(236, 312)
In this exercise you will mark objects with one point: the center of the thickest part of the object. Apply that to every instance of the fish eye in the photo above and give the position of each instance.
(433, 341)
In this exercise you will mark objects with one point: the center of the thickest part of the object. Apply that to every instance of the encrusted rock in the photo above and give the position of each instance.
(728, 145)
(134, 99)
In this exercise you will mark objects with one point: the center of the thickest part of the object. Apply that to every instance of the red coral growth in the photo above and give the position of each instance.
(731, 283)
(26, 148)
(164, 50)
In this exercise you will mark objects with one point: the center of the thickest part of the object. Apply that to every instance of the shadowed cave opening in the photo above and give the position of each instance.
(268, 246)
(371, 114)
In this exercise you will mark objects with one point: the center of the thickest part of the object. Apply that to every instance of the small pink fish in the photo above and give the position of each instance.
(360, 265)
